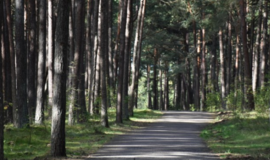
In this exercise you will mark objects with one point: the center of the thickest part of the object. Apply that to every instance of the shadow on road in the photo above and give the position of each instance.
(174, 136)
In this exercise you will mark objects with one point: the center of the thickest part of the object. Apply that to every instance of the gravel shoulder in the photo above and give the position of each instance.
(176, 135)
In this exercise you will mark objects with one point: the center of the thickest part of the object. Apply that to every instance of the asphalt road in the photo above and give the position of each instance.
(176, 135)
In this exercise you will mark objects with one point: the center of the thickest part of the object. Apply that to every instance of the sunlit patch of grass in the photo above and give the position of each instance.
(242, 135)
(81, 139)
(26, 143)
(145, 115)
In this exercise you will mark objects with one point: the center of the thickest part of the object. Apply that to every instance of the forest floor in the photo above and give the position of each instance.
(239, 136)
(176, 135)
(81, 139)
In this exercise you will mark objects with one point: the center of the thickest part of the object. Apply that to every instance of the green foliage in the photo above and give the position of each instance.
(213, 101)
(142, 93)
(262, 99)
(192, 107)
(240, 135)
(234, 100)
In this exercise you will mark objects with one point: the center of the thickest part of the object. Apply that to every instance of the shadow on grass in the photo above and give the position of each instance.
(246, 137)
(81, 139)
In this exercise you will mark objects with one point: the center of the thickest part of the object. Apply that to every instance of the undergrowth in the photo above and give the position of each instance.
(81, 139)
(240, 135)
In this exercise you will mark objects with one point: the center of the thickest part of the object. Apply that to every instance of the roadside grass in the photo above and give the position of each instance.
(81, 139)
(239, 136)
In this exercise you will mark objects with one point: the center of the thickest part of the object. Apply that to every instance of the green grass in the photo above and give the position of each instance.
(81, 139)
(240, 135)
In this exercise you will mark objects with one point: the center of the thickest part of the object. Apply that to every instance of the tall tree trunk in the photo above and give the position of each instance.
(59, 95)
(70, 60)
(12, 55)
(128, 36)
(117, 44)
(166, 89)
(222, 67)
(187, 73)
(155, 99)
(81, 112)
(161, 97)
(31, 63)
(256, 53)
(89, 49)
(1, 90)
(178, 88)
(8, 73)
(229, 55)
(182, 92)
(196, 84)
(50, 51)
(214, 65)
(96, 96)
(121, 57)
(203, 71)
(39, 116)
(148, 87)
(21, 109)
(263, 47)
(78, 53)
(103, 48)
(136, 56)
(237, 68)
(93, 83)
(88, 44)
(250, 97)
(110, 49)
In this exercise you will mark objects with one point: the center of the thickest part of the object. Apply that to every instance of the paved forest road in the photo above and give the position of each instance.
(174, 136)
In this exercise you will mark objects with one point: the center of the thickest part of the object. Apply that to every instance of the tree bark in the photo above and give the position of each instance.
(21, 109)
(250, 97)
(1, 90)
(12, 52)
(81, 112)
(148, 87)
(136, 56)
(50, 52)
(155, 90)
(196, 84)
(77, 54)
(187, 72)
(128, 35)
(31, 51)
(121, 56)
(237, 68)
(229, 55)
(263, 47)
(203, 72)
(59, 96)
(256, 53)
(102, 49)
(214, 65)
(222, 68)
(89, 46)
(93, 82)
(7, 80)
(110, 49)
(166, 89)
(39, 116)
(161, 97)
